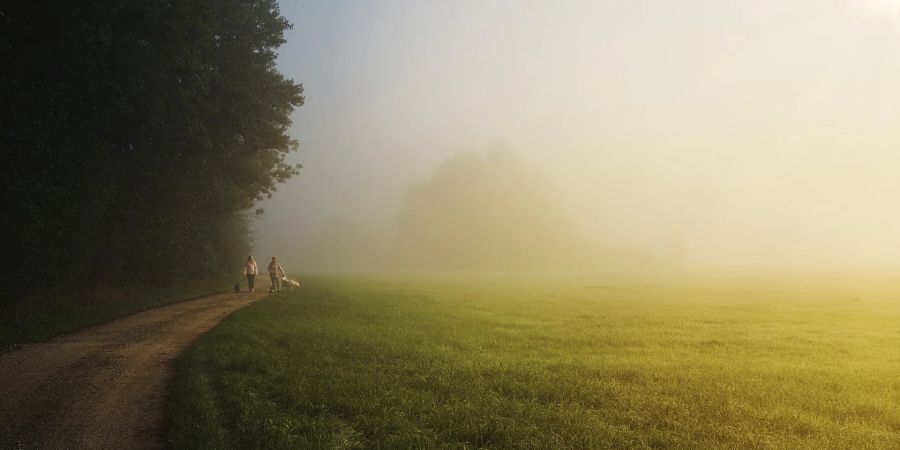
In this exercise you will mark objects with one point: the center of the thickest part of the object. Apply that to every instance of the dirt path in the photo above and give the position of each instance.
(103, 387)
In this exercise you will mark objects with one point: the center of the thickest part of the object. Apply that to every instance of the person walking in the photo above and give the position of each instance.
(250, 270)
(276, 273)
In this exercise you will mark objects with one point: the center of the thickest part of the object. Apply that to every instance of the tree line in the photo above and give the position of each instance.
(136, 136)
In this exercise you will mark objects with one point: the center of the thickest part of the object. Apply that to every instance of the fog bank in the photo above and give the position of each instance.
(742, 135)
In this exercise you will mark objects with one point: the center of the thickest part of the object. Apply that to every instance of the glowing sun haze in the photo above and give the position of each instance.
(881, 6)
(755, 133)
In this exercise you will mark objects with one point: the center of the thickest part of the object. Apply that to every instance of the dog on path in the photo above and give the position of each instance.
(288, 284)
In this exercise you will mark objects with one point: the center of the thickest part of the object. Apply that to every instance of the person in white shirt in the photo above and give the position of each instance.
(250, 270)
(276, 273)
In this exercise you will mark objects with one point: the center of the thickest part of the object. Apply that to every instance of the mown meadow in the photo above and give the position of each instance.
(548, 362)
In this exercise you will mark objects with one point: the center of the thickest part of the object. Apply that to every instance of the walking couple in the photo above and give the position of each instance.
(276, 273)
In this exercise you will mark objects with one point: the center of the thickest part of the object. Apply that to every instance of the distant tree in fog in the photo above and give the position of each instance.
(485, 210)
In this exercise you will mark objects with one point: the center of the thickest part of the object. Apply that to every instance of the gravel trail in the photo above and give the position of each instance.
(103, 387)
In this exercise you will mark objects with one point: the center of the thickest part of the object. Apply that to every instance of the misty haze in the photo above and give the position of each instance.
(710, 136)
(397, 224)
(477, 210)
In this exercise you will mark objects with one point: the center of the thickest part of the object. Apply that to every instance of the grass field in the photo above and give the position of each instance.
(573, 362)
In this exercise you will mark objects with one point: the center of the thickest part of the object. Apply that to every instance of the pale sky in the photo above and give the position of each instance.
(725, 133)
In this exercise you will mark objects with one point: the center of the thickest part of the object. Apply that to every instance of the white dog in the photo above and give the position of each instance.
(288, 285)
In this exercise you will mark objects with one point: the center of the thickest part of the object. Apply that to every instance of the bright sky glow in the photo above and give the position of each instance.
(746, 132)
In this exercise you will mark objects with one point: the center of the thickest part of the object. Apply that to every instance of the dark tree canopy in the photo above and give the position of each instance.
(136, 134)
